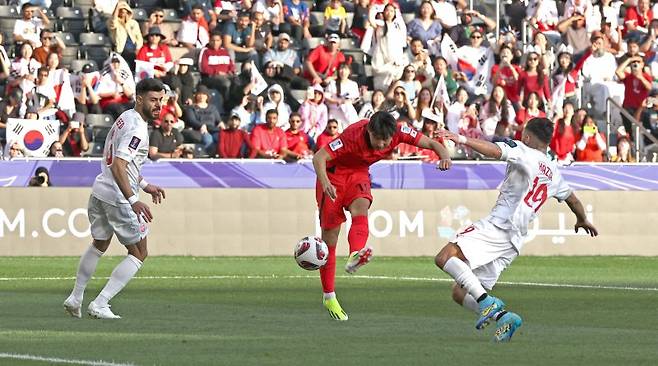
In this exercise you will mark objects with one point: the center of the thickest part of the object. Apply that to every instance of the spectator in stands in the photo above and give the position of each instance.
(156, 52)
(299, 142)
(446, 13)
(275, 74)
(402, 104)
(43, 95)
(599, 71)
(566, 76)
(420, 59)
(125, 33)
(102, 10)
(273, 14)
(532, 108)
(342, 94)
(425, 26)
(322, 63)
(268, 141)
(75, 138)
(194, 31)
(649, 44)
(239, 39)
(156, 19)
(612, 37)
(23, 70)
(632, 50)
(216, 65)
(5, 62)
(13, 150)
(335, 18)
(28, 28)
(182, 81)
(497, 115)
(276, 101)
(408, 82)
(165, 141)
(376, 103)
(441, 69)
(297, 20)
(623, 151)
(534, 78)
(360, 20)
(288, 58)
(206, 6)
(563, 143)
(313, 112)
(202, 119)
(637, 83)
(637, 20)
(543, 14)
(56, 150)
(50, 43)
(591, 144)
(423, 102)
(330, 133)
(116, 87)
(507, 75)
(462, 32)
(87, 99)
(574, 32)
(649, 121)
(10, 107)
(456, 110)
(388, 59)
(233, 142)
(263, 38)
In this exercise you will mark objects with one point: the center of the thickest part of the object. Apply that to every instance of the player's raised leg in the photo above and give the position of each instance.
(328, 276)
(86, 269)
(506, 325)
(463, 298)
(452, 261)
(360, 254)
(121, 275)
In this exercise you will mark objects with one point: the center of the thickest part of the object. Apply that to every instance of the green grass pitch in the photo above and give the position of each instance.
(267, 311)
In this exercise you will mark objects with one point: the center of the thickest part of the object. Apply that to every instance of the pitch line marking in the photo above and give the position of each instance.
(390, 278)
(16, 356)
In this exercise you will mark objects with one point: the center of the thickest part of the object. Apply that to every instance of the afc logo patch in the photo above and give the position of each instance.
(336, 144)
(409, 131)
(134, 142)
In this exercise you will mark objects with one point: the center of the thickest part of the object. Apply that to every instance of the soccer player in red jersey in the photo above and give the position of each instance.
(344, 184)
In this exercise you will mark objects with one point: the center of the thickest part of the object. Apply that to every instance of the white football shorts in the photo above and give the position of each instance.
(121, 220)
(488, 249)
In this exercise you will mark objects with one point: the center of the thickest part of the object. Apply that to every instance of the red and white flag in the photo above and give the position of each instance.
(35, 136)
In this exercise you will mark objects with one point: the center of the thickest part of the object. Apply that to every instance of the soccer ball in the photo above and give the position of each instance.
(311, 253)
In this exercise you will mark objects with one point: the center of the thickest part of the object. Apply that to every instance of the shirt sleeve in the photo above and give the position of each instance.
(511, 151)
(408, 135)
(563, 189)
(128, 144)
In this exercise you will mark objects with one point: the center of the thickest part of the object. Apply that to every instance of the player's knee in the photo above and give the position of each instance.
(102, 245)
(443, 256)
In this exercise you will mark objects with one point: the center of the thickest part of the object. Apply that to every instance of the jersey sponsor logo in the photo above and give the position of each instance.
(336, 144)
(134, 142)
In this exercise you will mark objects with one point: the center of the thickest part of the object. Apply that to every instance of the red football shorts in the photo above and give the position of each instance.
(349, 187)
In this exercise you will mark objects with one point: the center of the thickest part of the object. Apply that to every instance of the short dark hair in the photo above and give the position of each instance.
(542, 128)
(149, 85)
(198, 6)
(332, 120)
(271, 111)
(382, 125)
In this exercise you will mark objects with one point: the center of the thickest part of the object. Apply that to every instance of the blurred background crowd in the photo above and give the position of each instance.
(279, 79)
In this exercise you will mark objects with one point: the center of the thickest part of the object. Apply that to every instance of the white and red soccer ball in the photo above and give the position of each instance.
(311, 253)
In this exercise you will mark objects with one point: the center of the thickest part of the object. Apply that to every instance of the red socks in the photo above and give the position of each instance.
(358, 235)
(328, 271)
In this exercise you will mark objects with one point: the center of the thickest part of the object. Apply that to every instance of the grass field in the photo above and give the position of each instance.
(266, 311)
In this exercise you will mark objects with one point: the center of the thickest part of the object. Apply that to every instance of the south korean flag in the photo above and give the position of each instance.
(35, 136)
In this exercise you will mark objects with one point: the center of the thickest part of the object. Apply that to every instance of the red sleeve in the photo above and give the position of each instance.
(547, 89)
(314, 55)
(283, 139)
(631, 15)
(167, 54)
(221, 147)
(520, 117)
(141, 55)
(407, 135)
(255, 139)
(203, 62)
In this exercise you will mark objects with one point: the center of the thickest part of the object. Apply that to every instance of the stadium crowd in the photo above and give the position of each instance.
(279, 79)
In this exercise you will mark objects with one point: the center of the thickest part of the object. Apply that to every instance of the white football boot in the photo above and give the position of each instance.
(73, 307)
(358, 259)
(99, 312)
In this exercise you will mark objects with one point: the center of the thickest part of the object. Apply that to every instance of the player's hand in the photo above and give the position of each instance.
(587, 226)
(447, 135)
(157, 193)
(329, 190)
(142, 210)
(444, 164)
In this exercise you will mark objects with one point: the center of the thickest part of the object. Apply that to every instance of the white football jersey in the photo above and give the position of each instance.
(128, 139)
(532, 177)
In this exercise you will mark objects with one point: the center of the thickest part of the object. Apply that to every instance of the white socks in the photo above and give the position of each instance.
(86, 269)
(471, 304)
(329, 295)
(120, 277)
(463, 275)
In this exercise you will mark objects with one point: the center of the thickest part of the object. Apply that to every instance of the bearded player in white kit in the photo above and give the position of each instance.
(483, 250)
(114, 206)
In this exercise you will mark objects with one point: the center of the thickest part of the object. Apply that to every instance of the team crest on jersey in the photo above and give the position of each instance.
(134, 142)
(336, 144)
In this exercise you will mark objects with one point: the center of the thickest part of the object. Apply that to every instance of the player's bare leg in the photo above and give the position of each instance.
(328, 275)
(360, 254)
(86, 268)
(122, 274)
(452, 261)
(463, 298)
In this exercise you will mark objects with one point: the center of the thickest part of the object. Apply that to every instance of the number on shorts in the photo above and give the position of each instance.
(537, 196)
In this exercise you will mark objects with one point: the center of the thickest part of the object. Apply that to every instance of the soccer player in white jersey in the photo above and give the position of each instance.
(114, 206)
(483, 250)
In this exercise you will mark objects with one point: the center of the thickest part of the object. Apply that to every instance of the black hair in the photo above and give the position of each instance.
(542, 128)
(198, 6)
(382, 125)
(271, 111)
(332, 120)
(26, 5)
(149, 85)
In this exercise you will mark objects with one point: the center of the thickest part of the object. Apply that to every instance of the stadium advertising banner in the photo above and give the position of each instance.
(410, 222)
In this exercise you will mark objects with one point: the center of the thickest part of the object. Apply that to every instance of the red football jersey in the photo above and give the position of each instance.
(351, 150)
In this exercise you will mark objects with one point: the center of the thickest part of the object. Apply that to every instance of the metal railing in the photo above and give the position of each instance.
(639, 129)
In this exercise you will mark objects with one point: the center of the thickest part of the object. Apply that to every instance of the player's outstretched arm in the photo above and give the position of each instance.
(119, 169)
(581, 219)
(484, 147)
(427, 143)
(320, 165)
